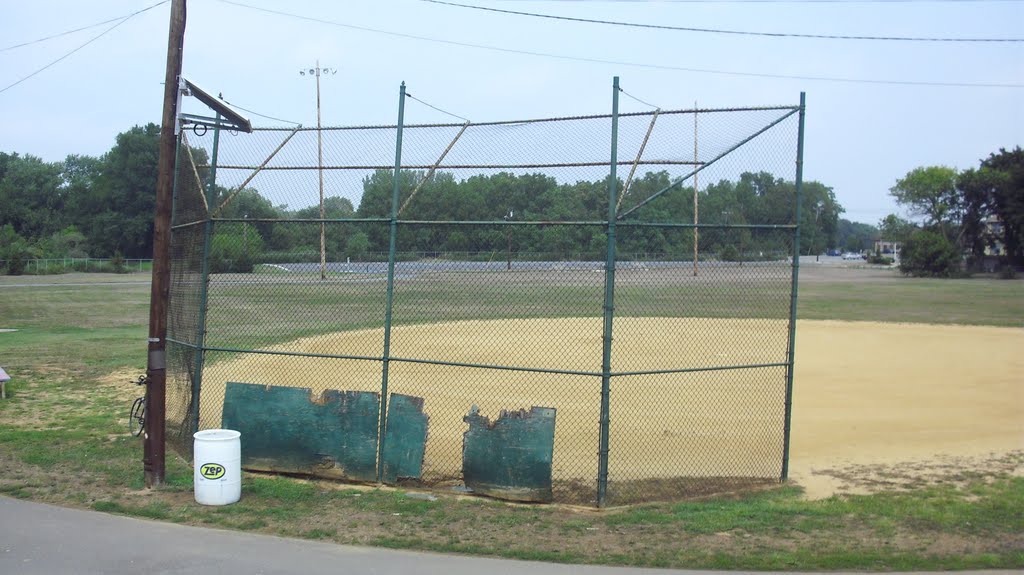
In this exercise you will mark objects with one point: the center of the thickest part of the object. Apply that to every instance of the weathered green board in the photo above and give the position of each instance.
(511, 457)
(288, 429)
(405, 438)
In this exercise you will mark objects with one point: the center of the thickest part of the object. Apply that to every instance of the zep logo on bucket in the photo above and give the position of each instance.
(217, 475)
(212, 471)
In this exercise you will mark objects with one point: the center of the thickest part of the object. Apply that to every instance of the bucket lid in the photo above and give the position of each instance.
(216, 434)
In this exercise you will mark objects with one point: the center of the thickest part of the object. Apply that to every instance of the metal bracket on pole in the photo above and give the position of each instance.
(179, 116)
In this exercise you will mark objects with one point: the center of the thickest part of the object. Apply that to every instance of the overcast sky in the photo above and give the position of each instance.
(865, 129)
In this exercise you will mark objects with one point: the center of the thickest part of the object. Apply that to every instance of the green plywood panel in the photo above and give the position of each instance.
(511, 457)
(405, 438)
(287, 429)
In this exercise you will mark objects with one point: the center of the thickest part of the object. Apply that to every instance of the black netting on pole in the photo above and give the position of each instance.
(184, 313)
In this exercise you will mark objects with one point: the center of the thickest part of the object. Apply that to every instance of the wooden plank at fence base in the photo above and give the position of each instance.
(406, 438)
(287, 429)
(511, 457)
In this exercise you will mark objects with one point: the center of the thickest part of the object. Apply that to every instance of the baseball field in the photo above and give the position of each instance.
(876, 405)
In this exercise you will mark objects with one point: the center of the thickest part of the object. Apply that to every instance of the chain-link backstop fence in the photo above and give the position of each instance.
(519, 267)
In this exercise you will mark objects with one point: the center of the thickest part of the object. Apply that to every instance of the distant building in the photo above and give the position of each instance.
(993, 235)
(887, 248)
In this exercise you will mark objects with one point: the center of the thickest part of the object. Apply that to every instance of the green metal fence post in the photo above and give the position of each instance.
(395, 189)
(793, 290)
(200, 357)
(609, 300)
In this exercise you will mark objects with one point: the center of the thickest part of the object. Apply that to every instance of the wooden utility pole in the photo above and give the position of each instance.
(156, 367)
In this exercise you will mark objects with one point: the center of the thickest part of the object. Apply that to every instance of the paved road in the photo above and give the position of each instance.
(38, 539)
(43, 539)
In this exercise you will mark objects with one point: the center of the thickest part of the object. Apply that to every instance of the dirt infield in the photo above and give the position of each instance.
(869, 398)
(884, 405)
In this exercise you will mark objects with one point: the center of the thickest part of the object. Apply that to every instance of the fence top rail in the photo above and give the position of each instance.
(368, 167)
(530, 121)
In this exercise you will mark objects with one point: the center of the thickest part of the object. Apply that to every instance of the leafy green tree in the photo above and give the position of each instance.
(234, 247)
(855, 236)
(931, 192)
(308, 235)
(31, 196)
(929, 253)
(14, 251)
(994, 194)
(79, 176)
(117, 210)
(67, 243)
(893, 228)
(358, 246)
(820, 214)
(979, 189)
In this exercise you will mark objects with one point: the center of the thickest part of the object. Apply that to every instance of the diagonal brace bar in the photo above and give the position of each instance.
(433, 168)
(636, 162)
(700, 168)
(195, 172)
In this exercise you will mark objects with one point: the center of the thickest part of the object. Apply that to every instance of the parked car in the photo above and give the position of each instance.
(852, 256)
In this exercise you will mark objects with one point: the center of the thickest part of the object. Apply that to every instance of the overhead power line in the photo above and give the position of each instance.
(797, 1)
(624, 63)
(721, 31)
(90, 41)
(65, 33)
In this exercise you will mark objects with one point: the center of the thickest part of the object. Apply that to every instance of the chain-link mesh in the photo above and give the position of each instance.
(499, 284)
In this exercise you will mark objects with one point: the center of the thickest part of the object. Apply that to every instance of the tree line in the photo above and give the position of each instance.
(103, 207)
(971, 220)
(755, 198)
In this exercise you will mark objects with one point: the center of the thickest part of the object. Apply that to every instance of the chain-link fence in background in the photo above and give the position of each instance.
(48, 266)
(662, 336)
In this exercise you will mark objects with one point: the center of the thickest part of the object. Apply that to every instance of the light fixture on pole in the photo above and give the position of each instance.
(317, 71)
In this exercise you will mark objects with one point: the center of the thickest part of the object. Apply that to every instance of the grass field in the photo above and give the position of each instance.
(63, 440)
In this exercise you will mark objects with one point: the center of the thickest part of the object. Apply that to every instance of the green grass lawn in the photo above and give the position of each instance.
(63, 440)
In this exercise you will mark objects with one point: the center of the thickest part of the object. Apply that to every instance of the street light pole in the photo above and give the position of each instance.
(508, 236)
(317, 71)
(817, 212)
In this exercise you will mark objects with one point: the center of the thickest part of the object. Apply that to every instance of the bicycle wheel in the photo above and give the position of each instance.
(137, 417)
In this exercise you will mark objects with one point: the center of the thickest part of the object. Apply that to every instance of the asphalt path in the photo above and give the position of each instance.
(38, 539)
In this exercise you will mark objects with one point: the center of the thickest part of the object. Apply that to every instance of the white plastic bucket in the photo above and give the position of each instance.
(218, 466)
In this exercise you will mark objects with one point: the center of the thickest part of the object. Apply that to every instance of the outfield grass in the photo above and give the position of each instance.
(63, 440)
(241, 306)
(890, 298)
